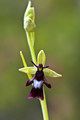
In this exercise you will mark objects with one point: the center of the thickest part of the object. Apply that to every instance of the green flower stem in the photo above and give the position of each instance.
(44, 107)
(42, 102)
(30, 38)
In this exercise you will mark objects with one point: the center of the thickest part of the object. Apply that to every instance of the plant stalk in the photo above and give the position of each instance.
(42, 102)
(29, 39)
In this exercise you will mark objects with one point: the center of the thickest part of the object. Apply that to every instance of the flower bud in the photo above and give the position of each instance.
(29, 18)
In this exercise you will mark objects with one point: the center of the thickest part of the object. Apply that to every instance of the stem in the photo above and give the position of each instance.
(42, 102)
(30, 40)
(44, 107)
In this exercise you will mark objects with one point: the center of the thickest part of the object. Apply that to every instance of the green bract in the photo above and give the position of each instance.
(40, 60)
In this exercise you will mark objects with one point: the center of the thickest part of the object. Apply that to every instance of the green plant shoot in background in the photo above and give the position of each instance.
(39, 62)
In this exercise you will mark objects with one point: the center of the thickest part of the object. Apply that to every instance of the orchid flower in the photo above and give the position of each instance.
(40, 72)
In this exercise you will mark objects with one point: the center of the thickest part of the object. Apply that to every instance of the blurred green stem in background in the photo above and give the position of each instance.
(29, 25)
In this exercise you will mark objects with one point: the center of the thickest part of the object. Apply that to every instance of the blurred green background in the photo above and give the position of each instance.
(58, 33)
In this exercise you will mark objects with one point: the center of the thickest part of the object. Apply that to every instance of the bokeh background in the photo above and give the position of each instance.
(58, 33)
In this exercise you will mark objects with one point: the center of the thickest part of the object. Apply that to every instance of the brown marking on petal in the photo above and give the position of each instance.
(36, 93)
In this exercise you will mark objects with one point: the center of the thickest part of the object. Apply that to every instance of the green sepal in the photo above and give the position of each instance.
(30, 70)
(51, 73)
(41, 58)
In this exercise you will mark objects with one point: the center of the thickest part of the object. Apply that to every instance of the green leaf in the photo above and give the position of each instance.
(30, 70)
(41, 58)
(51, 73)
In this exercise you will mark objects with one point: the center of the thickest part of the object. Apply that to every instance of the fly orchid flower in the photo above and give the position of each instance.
(39, 71)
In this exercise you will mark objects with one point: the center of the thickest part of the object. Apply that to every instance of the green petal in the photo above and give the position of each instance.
(30, 70)
(41, 58)
(51, 73)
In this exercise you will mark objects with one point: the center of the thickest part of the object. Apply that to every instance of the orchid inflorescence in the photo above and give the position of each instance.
(38, 72)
